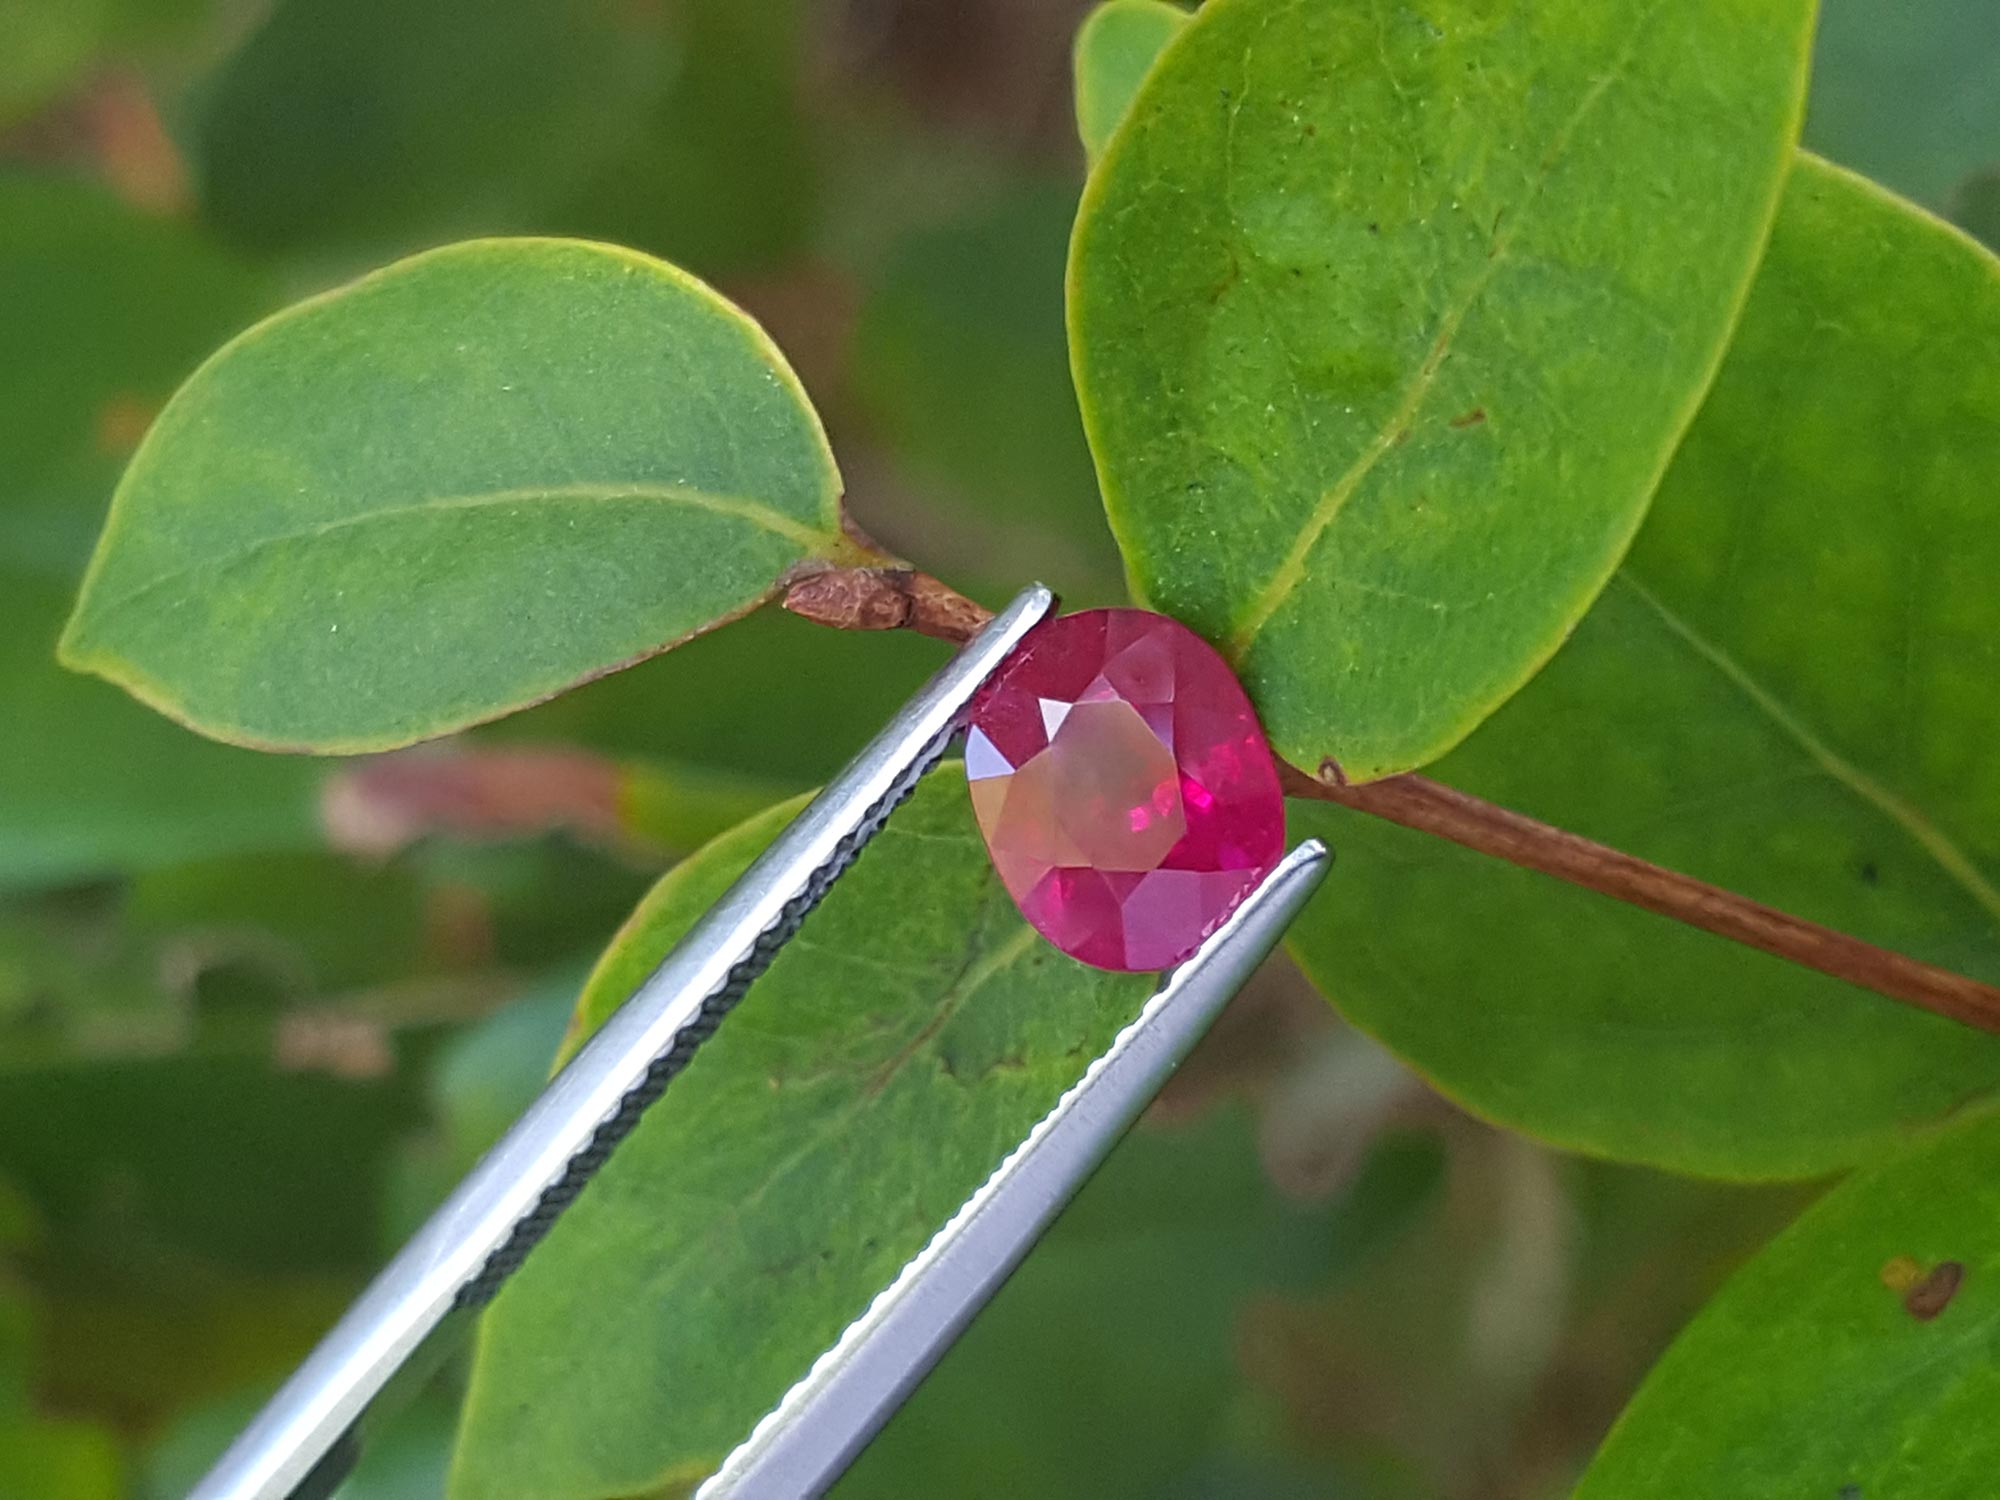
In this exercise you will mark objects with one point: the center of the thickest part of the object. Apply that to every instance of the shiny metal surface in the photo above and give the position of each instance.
(828, 1417)
(303, 1440)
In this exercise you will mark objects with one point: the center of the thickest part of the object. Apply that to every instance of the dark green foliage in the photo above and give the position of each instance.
(1498, 382)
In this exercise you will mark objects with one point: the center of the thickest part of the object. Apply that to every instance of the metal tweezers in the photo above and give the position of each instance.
(397, 1334)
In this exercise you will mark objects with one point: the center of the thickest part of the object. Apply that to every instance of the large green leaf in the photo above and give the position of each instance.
(1385, 325)
(890, 1058)
(1115, 46)
(1853, 1357)
(453, 488)
(1789, 691)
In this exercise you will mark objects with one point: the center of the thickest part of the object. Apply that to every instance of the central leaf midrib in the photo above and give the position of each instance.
(1291, 570)
(1943, 851)
(762, 516)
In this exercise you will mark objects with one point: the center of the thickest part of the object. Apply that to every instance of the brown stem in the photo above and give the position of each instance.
(889, 598)
(1431, 807)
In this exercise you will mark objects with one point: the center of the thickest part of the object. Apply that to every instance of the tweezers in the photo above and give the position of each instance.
(309, 1435)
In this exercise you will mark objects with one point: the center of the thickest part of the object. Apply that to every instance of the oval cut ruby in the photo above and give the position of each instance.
(1124, 786)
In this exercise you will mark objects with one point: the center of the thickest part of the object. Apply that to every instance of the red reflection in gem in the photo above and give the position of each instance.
(1124, 786)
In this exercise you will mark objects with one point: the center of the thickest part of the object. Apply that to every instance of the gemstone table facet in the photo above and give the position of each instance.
(1126, 791)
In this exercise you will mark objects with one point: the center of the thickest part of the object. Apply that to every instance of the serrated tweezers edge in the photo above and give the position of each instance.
(307, 1435)
(804, 1444)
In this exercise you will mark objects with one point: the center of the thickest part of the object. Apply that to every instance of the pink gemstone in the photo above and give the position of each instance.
(1124, 786)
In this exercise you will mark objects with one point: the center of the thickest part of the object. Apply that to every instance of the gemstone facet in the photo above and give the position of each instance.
(1124, 786)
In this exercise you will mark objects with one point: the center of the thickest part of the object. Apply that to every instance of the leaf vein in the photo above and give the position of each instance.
(1291, 571)
(1928, 836)
(757, 514)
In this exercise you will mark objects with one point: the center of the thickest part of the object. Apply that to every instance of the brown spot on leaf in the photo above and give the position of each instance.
(1471, 419)
(1934, 1292)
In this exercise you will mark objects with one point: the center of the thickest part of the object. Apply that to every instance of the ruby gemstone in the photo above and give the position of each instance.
(1124, 786)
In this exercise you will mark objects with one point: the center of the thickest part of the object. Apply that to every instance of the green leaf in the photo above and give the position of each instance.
(108, 310)
(62, 996)
(722, 174)
(455, 487)
(1907, 93)
(222, 1158)
(48, 48)
(1182, 1217)
(1385, 325)
(484, 1077)
(404, 1459)
(671, 807)
(148, 1334)
(1789, 692)
(773, 696)
(19, 1328)
(100, 786)
(894, 1053)
(326, 924)
(20, 1223)
(59, 1458)
(389, 121)
(1848, 1359)
(1114, 48)
(53, 49)
(491, 1072)
(959, 363)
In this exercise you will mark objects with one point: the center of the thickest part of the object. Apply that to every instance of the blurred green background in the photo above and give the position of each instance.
(256, 1014)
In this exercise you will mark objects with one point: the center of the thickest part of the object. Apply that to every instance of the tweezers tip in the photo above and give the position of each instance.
(1037, 601)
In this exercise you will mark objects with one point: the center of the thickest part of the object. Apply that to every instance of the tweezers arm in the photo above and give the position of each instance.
(298, 1444)
(827, 1418)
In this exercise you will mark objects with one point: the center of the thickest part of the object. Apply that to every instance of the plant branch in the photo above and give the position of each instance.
(1431, 807)
(888, 598)
(891, 598)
